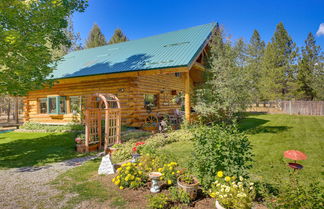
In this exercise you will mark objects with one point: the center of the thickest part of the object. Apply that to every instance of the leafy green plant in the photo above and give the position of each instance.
(179, 195)
(231, 193)
(169, 173)
(220, 148)
(130, 176)
(188, 179)
(53, 128)
(158, 201)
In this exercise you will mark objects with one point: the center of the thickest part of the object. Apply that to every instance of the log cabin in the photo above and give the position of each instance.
(145, 74)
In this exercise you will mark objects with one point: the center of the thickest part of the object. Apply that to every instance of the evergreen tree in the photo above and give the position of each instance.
(118, 37)
(279, 69)
(255, 52)
(310, 67)
(226, 87)
(95, 38)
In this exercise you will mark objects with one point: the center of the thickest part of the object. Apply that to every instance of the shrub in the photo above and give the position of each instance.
(231, 193)
(130, 176)
(220, 148)
(72, 127)
(158, 201)
(135, 135)
(179, 195)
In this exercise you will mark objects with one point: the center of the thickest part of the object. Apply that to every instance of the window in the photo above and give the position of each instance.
(177, 74)
(151, 100)
(75, 104)
(56, 105)
(42, 105)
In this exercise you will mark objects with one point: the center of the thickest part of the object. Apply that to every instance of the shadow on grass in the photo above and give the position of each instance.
(24, 150)
(253, 125)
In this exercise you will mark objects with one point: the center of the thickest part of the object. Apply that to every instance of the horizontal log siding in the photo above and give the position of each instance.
(110, 85)
(154, 84)
(131, 100)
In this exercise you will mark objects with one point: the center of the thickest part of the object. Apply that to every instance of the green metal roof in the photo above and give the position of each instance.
(173, 49)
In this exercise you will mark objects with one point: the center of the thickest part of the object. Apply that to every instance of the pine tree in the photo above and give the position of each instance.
(95, 38)
(255, 52)
(226, 87)
(279, 70)
(310, 64)
(118, 37)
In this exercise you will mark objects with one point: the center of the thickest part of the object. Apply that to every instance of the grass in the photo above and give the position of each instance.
(88, 186)
(270, 136)
(30, 149)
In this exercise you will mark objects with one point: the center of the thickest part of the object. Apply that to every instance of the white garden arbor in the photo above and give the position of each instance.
(102, 121)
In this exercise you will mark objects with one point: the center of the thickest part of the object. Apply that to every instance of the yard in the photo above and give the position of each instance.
(270, 135)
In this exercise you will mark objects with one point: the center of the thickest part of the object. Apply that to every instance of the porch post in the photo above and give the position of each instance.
(187, 96)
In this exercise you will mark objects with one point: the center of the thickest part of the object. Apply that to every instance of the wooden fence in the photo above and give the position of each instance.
(290, 107)
(303, 107)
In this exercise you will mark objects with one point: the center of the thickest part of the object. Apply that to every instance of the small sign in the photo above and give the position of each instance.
(106, 167)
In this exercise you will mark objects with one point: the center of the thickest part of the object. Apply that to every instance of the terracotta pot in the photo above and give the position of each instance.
(80, 148)
(111, 150)
(190, 189)
(93, 147)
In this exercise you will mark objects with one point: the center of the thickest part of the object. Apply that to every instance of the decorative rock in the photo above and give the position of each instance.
(106, 167)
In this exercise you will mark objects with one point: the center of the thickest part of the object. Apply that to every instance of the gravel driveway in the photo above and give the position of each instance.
(28, 187)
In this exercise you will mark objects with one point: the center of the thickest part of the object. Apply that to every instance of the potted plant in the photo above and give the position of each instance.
(189, 184)
(80, 143)
(137, 150)
(230, 193)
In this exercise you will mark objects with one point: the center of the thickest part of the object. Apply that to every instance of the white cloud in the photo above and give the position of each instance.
(320, 31)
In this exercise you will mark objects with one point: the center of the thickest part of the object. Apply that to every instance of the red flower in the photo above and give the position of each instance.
(134, 149)
(139, 143)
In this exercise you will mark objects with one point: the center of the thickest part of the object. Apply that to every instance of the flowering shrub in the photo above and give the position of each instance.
(220, 148)
(137, 147)
(231, 193)
(169, 173)
(130, 176)
(80, 139)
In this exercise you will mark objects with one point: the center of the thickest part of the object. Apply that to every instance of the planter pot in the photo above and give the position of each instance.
(218, 205)
(80, 148)
(190, 189)
(93, 147)
(111, 150)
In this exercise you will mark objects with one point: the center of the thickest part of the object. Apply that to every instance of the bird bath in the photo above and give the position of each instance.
(155, 176)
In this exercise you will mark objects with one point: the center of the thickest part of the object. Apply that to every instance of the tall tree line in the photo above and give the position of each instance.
(278, 70)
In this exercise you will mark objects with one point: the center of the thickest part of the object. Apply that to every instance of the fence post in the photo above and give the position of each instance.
(289, 107)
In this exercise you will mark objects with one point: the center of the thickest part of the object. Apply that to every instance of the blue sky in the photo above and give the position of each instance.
(139, 18)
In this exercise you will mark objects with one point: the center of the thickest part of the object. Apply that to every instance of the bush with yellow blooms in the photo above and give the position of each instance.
(130, 176)
(231, 192)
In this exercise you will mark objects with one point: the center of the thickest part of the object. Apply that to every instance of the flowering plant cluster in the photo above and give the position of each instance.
(169, 173)
(79, 140)
(130, 176)
(137, 147)
(231, 193)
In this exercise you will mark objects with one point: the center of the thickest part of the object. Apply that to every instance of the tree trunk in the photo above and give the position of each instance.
(8, 111)
(17, 110)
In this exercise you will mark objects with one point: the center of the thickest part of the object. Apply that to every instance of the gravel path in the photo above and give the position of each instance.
(28, 187)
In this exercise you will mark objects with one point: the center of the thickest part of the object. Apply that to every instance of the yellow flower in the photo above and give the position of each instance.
(160, 169)
(132, 177)
(178, 171)
(119, 169)
(123, 165)
(172, 173)
(138, 179)
(126, 179)
(140, 164)
(220, 174)
(169, 182)
(227, 178)
(233, 178)
(113, 180)
(140, 172)
(170, 168)
(121, 187)
(117, 182)
(128, 168)
(213, 194)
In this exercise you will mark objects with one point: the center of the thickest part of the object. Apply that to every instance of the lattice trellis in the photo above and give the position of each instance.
(102, 120)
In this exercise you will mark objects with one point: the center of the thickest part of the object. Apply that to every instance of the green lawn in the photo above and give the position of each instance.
(29, 149)
(270, 136)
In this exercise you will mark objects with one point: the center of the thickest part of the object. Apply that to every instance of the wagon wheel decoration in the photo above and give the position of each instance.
(151, 120)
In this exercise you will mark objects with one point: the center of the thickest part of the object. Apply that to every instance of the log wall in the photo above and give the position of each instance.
(129, 90)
